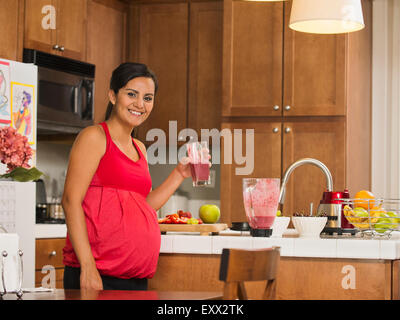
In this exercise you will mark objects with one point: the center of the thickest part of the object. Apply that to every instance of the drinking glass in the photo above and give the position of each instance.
(199, 163)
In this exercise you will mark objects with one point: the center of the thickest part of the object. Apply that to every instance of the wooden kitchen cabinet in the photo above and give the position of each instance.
(69, 36)
(106, 47)
(314, 72)
(252, 58)
(49, 253)
(267, 162)
(162, 44)
(322, 139)
(299, 278)
(276, 146)
(310, 79)
(205, 66)
(186, 56)
(12, 24)
(326, 83)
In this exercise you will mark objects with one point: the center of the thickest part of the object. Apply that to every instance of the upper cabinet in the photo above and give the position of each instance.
(186, 57)
(271, 70)
(252, 58)
(106, 47)
(57, 27)
(314, 76)
(205, 66)
(163, 47)
(11, 17)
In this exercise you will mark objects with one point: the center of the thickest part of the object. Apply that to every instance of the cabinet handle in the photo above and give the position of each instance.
(287, 130)
(53, 253)
(276, 108)
(62, 48)
(56, 47)
(287, 108)
(275, 130)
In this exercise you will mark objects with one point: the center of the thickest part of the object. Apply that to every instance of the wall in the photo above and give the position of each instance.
(386, 99)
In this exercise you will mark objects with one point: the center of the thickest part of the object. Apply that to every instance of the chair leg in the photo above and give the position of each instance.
(270, 290)
(230, 291)
(242, 294)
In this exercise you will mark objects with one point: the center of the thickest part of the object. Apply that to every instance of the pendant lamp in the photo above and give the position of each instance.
(326, 16)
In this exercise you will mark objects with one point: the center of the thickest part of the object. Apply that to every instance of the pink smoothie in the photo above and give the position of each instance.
(261, 202)
(200, 171)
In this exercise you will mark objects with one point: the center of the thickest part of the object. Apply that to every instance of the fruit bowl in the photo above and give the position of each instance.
(375, 217)
(309, 226)
(279, 226)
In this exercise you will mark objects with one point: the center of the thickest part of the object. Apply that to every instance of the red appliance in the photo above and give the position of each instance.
(333, 207)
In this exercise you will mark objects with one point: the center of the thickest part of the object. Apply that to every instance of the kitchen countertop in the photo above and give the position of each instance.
(346, 246)
(44, 230)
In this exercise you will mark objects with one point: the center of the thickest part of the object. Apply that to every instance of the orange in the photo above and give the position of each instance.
(364, 199)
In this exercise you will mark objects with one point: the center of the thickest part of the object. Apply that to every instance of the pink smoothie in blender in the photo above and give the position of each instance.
(260, 198)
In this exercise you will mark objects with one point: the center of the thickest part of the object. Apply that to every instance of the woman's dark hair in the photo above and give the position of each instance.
(123, 74)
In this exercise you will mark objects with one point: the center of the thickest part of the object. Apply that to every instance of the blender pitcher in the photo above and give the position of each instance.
(260, 198)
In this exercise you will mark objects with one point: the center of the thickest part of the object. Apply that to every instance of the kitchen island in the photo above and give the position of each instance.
(331, 267)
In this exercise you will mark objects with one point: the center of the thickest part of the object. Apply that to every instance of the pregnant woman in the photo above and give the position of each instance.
(113, 239)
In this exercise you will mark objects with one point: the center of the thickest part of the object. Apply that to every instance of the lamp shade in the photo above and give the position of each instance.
(326, 16)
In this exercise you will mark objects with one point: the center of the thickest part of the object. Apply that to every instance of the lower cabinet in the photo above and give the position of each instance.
(299, 278)
(49, 265)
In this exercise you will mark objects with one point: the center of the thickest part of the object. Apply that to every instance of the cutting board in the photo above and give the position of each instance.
(205, 229)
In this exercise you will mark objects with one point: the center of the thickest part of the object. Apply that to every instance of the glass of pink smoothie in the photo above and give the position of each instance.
(199, 163)
(260, 198)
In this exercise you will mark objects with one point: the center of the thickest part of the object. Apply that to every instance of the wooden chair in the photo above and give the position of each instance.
(239, 265)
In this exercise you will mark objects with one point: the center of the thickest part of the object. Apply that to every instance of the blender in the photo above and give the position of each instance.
(260, 199)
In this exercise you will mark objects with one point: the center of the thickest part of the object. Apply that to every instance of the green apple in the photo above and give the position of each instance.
(209, 213)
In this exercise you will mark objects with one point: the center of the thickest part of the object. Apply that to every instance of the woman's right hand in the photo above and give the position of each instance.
(90, 278)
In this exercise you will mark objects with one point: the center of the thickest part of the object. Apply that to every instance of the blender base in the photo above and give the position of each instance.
(338, 231)
(260, 232)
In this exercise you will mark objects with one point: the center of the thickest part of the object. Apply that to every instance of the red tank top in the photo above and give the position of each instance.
(122, 228)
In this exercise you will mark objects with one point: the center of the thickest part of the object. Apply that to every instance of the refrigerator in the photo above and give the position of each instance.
(18, 104)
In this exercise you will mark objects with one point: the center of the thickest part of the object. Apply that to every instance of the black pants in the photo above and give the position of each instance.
(72, 281)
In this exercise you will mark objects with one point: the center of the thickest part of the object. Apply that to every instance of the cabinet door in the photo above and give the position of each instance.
(11, 17)
(163, 47)
(71, 27)
(266, 164)
(105, 48)
(38, 35)
(205, 66)
(314, 72)
(323, 140)
(252, 58)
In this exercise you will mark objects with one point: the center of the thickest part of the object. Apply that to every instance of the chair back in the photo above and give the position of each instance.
(240, 265)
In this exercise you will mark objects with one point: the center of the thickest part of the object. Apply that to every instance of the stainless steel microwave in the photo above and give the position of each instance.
(65, 92)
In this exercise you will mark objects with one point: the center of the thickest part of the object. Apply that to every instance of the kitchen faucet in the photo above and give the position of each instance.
(288, 172)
